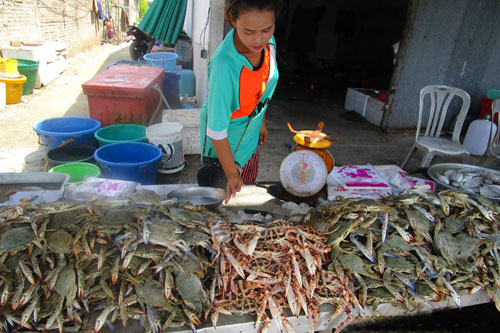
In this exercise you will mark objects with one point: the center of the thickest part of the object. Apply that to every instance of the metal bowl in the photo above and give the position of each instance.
(209, 197)
(439, 169)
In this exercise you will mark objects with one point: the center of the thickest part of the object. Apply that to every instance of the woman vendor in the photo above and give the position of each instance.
(242, 76)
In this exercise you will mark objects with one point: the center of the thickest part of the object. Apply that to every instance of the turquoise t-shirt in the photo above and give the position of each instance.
(235, 90)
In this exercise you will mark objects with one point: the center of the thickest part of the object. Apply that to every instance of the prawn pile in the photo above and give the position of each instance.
(275, 266)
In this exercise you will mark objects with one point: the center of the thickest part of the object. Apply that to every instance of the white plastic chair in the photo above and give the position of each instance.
(431, 142)
(494, 145)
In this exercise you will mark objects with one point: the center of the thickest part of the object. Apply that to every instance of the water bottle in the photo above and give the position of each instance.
(478, 135)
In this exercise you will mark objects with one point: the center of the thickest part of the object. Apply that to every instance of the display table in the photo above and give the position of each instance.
(256, 197)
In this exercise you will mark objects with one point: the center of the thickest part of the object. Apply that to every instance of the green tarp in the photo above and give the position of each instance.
(164, 20)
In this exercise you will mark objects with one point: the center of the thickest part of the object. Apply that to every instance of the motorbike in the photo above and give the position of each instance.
(140, 44)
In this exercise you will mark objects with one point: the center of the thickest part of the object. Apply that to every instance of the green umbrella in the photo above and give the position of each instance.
(164, 20)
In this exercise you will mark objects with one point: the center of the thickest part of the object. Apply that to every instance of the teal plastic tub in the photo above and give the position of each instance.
(121, 133)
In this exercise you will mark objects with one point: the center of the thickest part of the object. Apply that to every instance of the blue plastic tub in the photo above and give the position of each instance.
(133, 161)
(54, 132)
(166, 60)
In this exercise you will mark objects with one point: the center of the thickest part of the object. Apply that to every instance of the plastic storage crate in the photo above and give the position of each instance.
(124, 94)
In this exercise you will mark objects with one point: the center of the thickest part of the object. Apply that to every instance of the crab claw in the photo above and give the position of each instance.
(126, 261)
(213, 317)
(236, 265)
(192, 316)
(247, 243)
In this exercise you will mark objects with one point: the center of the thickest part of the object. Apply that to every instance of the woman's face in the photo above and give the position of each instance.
(254, 28)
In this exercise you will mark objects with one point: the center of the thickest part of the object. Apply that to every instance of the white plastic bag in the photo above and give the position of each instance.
(100, 187)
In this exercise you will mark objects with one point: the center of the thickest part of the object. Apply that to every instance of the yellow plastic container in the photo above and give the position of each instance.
(8, 65)
(14, 88)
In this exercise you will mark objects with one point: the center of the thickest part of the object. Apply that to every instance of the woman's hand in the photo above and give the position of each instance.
(263, 134)
(234, 183)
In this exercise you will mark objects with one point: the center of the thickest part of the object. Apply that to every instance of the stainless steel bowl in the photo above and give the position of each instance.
(439, 169)
(209, 197)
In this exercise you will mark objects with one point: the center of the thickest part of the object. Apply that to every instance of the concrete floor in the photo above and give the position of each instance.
(294, 102)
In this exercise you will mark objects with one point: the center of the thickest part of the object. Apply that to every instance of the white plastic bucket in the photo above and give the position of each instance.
(477, 137)
(168, 137)
(3, 95)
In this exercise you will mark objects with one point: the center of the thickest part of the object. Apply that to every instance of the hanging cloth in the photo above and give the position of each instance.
(125, 22)
(99, 8)
(164, 20)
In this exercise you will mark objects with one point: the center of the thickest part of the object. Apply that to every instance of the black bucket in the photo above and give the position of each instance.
(71, 153)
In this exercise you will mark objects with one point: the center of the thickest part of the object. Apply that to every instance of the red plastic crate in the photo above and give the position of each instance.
(124, 94)
(486, 109)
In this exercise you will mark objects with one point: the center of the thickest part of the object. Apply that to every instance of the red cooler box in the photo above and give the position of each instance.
(124, 94)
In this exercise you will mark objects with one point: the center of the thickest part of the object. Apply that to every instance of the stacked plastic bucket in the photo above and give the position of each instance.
(171, 85)
(13, 81)
(123, 154)
(28, 68)
(69, 144)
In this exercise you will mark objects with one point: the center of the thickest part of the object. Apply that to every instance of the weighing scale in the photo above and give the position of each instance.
(303, 172)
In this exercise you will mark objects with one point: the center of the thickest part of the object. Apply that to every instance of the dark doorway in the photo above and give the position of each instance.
(326, 46)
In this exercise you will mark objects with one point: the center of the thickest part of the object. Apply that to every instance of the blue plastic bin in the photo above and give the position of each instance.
(133, 161)
(187, 83)
(53, 132)
(166, 60)
(171, 88)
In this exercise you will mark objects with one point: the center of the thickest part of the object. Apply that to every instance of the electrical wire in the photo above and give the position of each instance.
(203, 34)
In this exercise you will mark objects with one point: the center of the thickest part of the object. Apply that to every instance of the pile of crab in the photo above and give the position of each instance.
(271, 267)
(416, 248)
(76, 267)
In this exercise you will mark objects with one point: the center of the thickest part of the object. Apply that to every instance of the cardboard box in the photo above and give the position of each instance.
(190, 120)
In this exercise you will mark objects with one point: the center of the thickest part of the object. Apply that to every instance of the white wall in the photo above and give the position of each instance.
(188, 20)
(198, 10)
(206, 35)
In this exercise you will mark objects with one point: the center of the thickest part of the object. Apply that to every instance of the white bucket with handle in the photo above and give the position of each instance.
(168, 137)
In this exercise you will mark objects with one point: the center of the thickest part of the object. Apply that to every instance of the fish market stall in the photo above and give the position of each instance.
(145, 259)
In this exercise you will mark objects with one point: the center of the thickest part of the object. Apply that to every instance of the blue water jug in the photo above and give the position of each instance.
(187, 83)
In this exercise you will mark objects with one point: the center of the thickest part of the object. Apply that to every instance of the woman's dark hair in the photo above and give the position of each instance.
(235, 7)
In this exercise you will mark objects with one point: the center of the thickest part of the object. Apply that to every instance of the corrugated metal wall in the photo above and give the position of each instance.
(455, 43)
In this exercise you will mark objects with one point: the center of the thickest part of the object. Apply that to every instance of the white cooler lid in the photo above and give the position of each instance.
(185, 117)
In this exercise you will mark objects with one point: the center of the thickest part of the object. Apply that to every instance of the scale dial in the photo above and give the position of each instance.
(303, 173)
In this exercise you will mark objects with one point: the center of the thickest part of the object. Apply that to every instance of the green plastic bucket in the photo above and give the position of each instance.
(28, 68)
(77, 171)
(121, 133)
